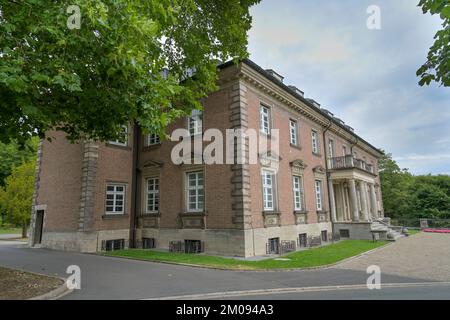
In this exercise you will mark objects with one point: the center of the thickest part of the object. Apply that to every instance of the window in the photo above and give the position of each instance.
(115, 197)
(318, 195)
(324, 235)
(148, 243)
(116, 244)
(315, 142)
(344, 150)
(273, 246)
(153, 139)
(193, 246)
(293, 132)
(152, 195)
(344, 233)
(330, 148)
(124, 140)
(265, 120)
(268, 190)
(298, 193)
(195, 122)
(303, 240)
(195, 194)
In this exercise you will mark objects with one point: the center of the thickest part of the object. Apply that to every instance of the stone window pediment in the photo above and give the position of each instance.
(298, 166)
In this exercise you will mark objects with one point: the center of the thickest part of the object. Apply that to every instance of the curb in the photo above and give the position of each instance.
(256, 270)
(55, 294)
(233, 294)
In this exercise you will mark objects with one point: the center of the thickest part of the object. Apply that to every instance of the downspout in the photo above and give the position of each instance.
(134, 186)
(325, 147)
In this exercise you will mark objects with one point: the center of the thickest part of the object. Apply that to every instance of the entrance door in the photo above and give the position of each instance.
(38, 226)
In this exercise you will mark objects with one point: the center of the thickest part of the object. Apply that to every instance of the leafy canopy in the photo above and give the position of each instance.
(17, 196)
(407, 196)
(437, 66)
(90, 82)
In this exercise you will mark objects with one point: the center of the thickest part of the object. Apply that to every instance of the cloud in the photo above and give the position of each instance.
(366, 77)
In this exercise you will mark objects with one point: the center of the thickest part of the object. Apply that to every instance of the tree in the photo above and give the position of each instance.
(93, 78)
(437, 66)
(17, 196)
(12, 154)
(394, 187)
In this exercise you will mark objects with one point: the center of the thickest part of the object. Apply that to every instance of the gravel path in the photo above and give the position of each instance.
(423, 256)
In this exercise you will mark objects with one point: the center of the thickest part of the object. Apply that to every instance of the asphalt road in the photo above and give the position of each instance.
(115, 278)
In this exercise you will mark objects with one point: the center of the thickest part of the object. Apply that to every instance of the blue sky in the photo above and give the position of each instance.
(366, 77)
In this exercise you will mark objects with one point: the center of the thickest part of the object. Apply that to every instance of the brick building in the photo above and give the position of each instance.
(94, 196)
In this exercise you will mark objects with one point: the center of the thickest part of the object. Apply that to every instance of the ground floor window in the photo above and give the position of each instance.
(148, 243)
(273, 246)
(115, 197)
(324, 235)
(302, 240)
(195, 191)
(344, 233)
(116, 244)
(193, 246)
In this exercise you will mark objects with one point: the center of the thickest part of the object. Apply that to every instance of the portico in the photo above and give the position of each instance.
(353, 191)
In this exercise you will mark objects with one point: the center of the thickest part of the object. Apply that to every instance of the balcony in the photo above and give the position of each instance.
(350, 162)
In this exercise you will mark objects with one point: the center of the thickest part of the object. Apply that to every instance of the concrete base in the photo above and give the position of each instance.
(356, 230)
(232, 242)
(81, 241)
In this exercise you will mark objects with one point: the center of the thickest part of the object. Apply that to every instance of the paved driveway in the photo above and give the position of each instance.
(423, 255)
(115, 278)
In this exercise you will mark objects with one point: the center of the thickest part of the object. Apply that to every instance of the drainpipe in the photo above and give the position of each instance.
(134, 186)
(325, 147)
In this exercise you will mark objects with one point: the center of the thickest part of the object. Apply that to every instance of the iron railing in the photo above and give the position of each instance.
(350, 162)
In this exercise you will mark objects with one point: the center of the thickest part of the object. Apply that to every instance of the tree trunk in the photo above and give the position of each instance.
(24, 231)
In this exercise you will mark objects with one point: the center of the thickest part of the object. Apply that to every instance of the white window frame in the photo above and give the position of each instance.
(153, 139)
(152, 194)
(315, 141)
(299, 194)
(268, 184)
(195, 122)
(115, 193)
(293, 132)
(118, 142)
(330, 148)
(198, 189)
(264, 119)
(318, 192)
(344, 150)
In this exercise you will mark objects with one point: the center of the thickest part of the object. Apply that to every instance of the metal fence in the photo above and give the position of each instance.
(422, 223)
(187, 246)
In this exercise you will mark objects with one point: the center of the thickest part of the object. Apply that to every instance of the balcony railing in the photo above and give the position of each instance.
(350, 162)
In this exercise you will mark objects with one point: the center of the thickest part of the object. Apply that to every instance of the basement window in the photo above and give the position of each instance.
(148, 243)
(116, 244)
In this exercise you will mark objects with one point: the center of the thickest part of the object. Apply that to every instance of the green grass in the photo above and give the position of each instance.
(411, 232)
(10, 230)
(303, 259)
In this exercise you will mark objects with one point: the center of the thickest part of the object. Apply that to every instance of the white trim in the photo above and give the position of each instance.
(115, 195)
(299, 192)
(155, 192)
(197, 191)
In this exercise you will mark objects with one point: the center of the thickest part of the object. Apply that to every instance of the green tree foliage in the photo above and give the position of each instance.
(17, 195)
(437, 66)
(90, 82)
(12, 154)
(411, 197)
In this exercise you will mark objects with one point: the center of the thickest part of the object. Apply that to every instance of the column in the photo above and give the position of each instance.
(363, 195)
(353, 200)
(332, 201)
(373, 201)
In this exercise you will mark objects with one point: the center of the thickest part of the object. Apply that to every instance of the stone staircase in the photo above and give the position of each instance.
(385, 230)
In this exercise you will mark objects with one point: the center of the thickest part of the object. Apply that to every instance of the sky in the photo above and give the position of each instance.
(365, 77)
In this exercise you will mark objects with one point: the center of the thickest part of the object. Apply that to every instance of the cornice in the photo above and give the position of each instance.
(262, 83)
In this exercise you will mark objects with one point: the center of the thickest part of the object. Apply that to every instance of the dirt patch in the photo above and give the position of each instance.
(18, 285)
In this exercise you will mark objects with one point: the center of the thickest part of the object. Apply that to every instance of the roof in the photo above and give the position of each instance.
(306, 101)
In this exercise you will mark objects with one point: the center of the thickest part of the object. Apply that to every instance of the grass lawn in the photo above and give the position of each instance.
(411, 232)
(303, 259)
(9, 230)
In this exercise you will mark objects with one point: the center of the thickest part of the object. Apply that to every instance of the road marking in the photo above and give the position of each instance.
(231, 294)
